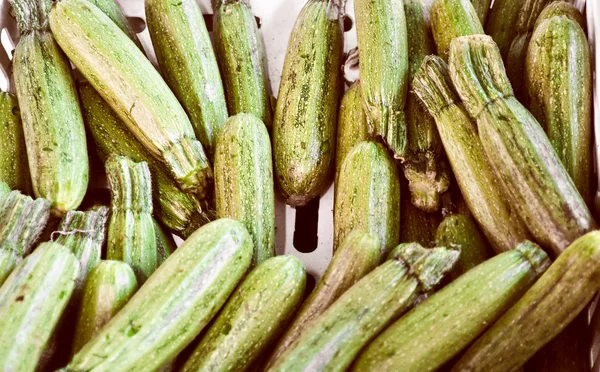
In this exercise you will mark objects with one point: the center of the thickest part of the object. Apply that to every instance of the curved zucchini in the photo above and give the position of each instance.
(244, 182)
(14, 169)
(450, 19)
(112, 10)
(165, 244)
(306, 112)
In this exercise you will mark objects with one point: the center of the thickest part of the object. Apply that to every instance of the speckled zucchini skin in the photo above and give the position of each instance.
(257, 312)
(108, 288)
(112, 10)
(382, 36)
(571, 281)
(306, 113)
(239, 51)
(559, 81)
(187, 61)
(533, 178)
(358, 255)
(368, 196)
(455, 315)
(14, 169)
(560, 8)
(174, 305)
(244, 182)
(165, 244)
(474, 173)
(450, 19)
(130, 84)
(32, 301)
(181, 212)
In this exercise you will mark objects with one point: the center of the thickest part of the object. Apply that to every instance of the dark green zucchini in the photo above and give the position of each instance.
(416, 225)
(560, 8)
(165, 244)
(482, 7)
(14, 168)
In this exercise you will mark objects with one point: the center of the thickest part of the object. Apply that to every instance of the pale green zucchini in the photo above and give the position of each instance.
(4, 191)
(450, 19)
(8, 261)
(14, 168)
(113, 11)
(165, 244)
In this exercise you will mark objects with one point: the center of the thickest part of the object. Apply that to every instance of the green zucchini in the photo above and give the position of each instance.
(131, 235)
(333, 340)
(188, 63)
(534, 181)
(560, 8)
(556, 298)
(108, 288)
(165, 244)
(239, 51)
(253, 317)
(8, 261)
(450, 19)
(244, 182)
(368, 196)
(32, 301)
(52, 121)
(473, 171)
(14, 169)
(358, 255)
(382, 36)
(417, 226)
(449, 320)
(174, 305)
(559, 81)
(306, 112)
(112, 10)
(130, 84)
(4, 191)
(482, 7)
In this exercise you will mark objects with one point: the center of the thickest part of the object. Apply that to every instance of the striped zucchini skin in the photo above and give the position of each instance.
(188, 63)
(8, 261)
(472, 169)
(165, 244)
(109, 286)
(130, 84)
(358, 255)
(456, 315)
(482, 7)
(131, 235)
(14, 168)
(239, 51)
(450, 19)
(174, 305)
(560, 8)
(112, 10)
(559, 81)
(32, 301)
(533, 178)
(306, 113)
(244, 182)
(368, 196)
(571, 281)
(253, 317)
(382, 35)
(182, 213)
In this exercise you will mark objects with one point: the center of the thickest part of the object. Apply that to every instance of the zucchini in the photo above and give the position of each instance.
(130, 84)
(8, 260)
(382, 36)
(560, 8)
(333, 340)
(108, 288)
(530, 172)
(165, 244)
(358, 255)
(368, 196)
(14, 169)
(306, 112)
(450, 19)
(188, 63)
(456, 315)
(417, 225)
(244, 183)
(482, 7)
(181, 212)
(32, 301)
(253, 317)
(52, 121)
(559, 81)
(174, 305)
(112, 10)
(473, 171)
(557, 298)
(131, 235)
(239, 51)
(4, 191)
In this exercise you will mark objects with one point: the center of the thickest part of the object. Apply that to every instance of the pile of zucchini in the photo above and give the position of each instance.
(462, 160)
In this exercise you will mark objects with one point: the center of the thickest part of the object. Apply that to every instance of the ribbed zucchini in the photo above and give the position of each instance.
(181, 212)
(368, 196)
(130, 84)
(449, 320)
(542, 313)
(131, 235)
(52, 122)
(14, 169)
(174, 305)
(108, 288)
(32, 301)
(112, 10)
(306, 113)
(244, 182)
(382, 37)
(188, 63)
(358, 255)
(165, 244)
(450, 19)
(473, 171)
(239, 51)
